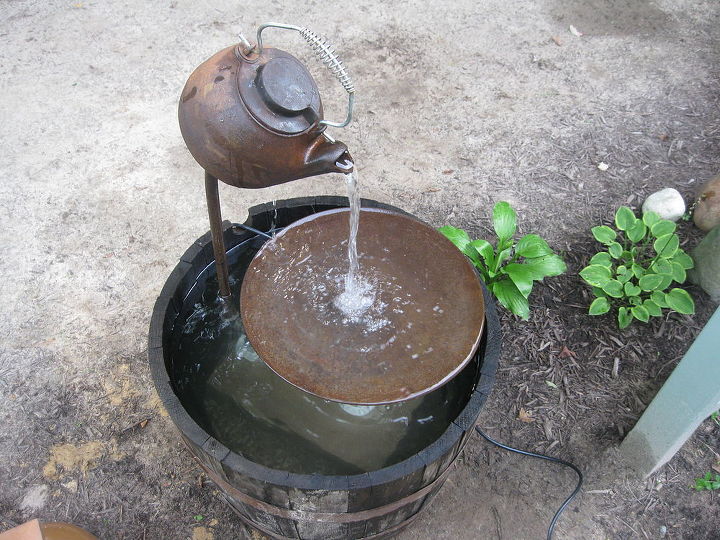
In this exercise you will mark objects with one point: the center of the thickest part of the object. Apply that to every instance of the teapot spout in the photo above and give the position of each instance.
(324, 156)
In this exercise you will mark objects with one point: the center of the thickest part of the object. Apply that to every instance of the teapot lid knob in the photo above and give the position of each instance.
(286, 86)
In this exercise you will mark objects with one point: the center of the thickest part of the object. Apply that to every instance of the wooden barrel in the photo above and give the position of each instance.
(280, 504)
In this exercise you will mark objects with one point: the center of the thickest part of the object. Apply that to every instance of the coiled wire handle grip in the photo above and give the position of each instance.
(327, 56)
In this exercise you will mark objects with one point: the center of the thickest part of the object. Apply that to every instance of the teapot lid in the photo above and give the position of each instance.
(279, 92)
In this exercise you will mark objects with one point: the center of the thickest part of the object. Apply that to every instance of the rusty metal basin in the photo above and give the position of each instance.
(423, 327)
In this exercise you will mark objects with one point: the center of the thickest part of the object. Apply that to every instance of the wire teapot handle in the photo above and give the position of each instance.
(327, 56)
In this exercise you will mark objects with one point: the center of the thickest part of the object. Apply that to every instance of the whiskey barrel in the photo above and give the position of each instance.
(281, 504)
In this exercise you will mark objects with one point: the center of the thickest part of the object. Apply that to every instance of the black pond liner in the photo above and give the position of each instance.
(281, 504)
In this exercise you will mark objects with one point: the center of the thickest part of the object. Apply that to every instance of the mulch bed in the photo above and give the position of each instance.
(573, 385)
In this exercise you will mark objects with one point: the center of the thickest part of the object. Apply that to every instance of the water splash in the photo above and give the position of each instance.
(357, 297)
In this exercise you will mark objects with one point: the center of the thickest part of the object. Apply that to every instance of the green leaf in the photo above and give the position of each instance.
(461, 239)
(457, 236)
(661, 266)
(665, 283)
(640, 313)
(624, 317)
(604, 234)
(637, 270)
(637, 231)
(531, 245)
(485, 249)
(602, 258)
(595, 275)
(650, 282)
(624, 278)
(634, 300)
(613, 288)
(521, 276)
(615, 250)
(662, 228)
(472, 254)
(678, 272)
(707, 482)
(625, 218)
(504, 221)
(666, 245)
(631, 289)
(597, 291)
(652, 308)
(599, 306)
(504, 244)
(622, 269)
(683, 259)
(510, 297)
(659, 298)
(503, 256)
(650, 218)
(547, 266)
(680, 301)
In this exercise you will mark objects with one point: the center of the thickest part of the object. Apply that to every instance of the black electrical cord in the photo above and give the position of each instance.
(551, 528)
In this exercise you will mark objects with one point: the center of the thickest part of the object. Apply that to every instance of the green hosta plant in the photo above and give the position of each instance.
(509, 269)
(707, 482)
(643, 258)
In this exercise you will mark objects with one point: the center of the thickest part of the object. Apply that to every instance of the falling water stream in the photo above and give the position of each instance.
(358, 295)
(354, 199)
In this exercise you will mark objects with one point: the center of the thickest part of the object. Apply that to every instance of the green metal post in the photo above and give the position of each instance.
(689, 396)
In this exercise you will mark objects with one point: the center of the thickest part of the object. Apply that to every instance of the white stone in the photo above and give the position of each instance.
(666, 203)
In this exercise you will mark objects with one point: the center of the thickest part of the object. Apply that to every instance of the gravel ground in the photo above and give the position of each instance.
(459, 105)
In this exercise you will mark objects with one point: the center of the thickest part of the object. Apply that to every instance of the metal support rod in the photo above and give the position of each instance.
(213, 203)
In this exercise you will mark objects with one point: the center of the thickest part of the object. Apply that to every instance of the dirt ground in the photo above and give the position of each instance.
(460, 104)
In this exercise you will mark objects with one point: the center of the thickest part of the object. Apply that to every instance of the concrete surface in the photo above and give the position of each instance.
(460, 104)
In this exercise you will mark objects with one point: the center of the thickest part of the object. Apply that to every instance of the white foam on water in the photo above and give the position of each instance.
(356, 299)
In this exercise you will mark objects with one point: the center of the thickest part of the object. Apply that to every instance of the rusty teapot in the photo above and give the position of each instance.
(252, 116)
